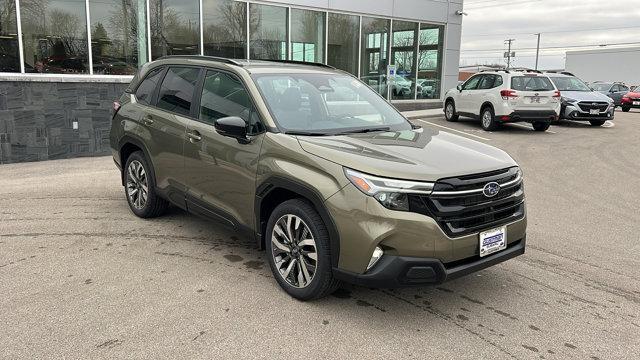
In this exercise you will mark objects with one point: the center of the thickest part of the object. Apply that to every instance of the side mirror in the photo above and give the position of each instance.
(234, 127)
(459, 87)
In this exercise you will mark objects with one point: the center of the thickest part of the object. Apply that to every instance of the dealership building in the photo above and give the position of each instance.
(63, 62)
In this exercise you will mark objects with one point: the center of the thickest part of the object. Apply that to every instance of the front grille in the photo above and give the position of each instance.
(589, 105)
(460, 207)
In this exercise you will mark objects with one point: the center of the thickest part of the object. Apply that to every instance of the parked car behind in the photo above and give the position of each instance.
(613, 90)
(631, 100)
(581, 103)
(504, 96)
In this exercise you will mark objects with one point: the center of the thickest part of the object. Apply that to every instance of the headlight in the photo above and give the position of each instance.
(568, 100)
(391, 193)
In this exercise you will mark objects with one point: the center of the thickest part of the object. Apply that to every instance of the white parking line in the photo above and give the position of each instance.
(458, 131)
(528, 128)
(608, 124)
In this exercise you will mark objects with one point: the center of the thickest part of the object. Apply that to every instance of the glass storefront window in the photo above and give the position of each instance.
(268, 32)
(118, 36)
(430, 51)
(175, 27)
(9, 57)
(307, 35)
(225, 28)
(403, 55)
(55, 36)
(374, 59)
(342, 50)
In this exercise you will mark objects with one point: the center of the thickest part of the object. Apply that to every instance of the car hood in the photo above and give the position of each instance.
(420, 154)
(586, 96)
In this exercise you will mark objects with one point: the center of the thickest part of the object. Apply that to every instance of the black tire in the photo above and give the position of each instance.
(154, 205)
(488, 119)
(597, 122)
(450, 115)
(626, 109)
(322, 282)
(541, 126)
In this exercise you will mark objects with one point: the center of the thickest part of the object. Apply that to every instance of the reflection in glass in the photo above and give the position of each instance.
(307, 35)
(9, 58)
(225, 28)
(403, 55)
(268, 32)
(175, 27)
(430, 43)
(115, 49)
(55, 36)
(342, 51)
(375, 43)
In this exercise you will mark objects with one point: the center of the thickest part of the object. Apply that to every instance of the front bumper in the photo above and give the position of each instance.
(572, 112)
(401, 271)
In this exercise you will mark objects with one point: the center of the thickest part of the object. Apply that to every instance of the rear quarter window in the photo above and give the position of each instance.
(148, 85)
(531, 83)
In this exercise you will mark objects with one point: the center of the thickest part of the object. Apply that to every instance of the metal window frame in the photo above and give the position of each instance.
(91, 77)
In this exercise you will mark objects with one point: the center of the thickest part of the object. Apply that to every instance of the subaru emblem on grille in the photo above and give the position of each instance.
(491, 189)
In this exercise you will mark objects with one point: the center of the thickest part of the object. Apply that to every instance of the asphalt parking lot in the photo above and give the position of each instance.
(82, 277)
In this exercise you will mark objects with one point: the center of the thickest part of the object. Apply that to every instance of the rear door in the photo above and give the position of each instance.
(166, 123)
(220, 171)
(534, 92)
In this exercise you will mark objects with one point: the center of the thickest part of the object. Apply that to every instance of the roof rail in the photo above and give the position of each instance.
(527, 70)
(297, 62)
(491, 70)
(202, 57)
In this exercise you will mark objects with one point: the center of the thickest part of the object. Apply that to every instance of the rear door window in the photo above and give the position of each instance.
(531, 83)
(176, 92)
(487, 82)
(148, 85)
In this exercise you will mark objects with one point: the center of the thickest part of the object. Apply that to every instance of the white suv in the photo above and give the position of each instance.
(503, 96)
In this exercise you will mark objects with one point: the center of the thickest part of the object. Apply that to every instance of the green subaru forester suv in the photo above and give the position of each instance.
(326, 176)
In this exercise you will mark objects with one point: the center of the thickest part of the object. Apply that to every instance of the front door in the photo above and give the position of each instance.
(465, 103)
(221, 172)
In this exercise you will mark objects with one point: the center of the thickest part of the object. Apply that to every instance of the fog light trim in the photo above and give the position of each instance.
(375, 257)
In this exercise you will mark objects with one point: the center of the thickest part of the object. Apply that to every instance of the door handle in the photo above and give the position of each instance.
(194, 136)
(148, 120)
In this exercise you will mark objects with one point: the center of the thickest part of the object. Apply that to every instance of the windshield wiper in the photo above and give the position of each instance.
(365, 130)
(305, 133)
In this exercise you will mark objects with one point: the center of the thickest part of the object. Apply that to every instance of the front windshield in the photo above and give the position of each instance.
(601, 87)
(569, 84)
(326, 104)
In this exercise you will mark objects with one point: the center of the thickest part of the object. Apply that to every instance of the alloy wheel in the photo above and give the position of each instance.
(449, 111)
(294, 250)
(137, 185)
(486, 119)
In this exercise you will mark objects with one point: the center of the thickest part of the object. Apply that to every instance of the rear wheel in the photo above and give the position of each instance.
(541, 126)
(297, 243)
(450, 111)
(488, 120)
(626, 108)
(597, 122)
(140, 188)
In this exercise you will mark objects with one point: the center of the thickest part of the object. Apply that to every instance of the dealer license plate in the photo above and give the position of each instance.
(594, 112)
(636, 103)
(492, 241)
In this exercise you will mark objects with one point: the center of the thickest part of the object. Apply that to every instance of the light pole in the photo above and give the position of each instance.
(537, 50)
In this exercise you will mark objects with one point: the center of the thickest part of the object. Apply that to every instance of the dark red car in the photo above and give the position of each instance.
(631, 100)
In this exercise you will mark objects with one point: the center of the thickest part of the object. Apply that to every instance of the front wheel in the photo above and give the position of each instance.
(450, 112)
(541, 126)
(597, 122)
(488, 120)
(298, 248)
(626, 108)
